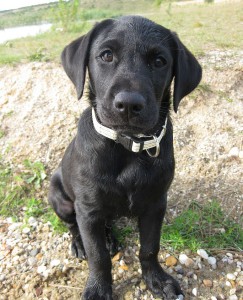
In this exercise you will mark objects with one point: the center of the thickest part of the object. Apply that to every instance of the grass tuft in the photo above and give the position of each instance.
(203, 226)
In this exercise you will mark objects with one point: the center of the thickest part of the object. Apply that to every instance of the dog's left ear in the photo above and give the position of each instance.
(187, 72)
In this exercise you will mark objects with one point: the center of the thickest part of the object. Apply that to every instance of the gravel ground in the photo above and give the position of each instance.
(38, 115)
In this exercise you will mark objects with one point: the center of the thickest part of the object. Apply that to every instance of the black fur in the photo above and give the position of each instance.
(131, 63)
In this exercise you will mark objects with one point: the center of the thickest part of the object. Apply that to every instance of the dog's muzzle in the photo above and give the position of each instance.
(136, 143)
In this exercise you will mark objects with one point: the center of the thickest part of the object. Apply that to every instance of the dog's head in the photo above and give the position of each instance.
(131, 63)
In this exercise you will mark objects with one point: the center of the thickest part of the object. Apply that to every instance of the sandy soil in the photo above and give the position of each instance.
(39, 113)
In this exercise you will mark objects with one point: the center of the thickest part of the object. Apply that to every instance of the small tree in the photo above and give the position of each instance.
(67, 12)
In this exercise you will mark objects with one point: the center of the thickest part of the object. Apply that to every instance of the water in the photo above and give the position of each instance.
(22, 31)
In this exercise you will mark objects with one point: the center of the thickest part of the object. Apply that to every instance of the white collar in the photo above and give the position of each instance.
(134, 144)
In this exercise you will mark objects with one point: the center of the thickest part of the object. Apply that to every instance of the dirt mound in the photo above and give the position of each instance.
(39, 113)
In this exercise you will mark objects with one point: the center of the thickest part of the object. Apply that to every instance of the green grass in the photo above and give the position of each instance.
(203, 226)
(201, 27)
(122, 233)
(19, 187)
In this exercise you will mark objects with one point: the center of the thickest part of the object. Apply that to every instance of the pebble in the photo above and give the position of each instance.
(234, 152)
(202, 253)
(207, 282)
(26, 230)
(41, 269)
(194, 292)
(230, 276)
(37, 253)
(171, 261)
(55, 262)
(212, 260)
(31, 261)
(185, 260)
(34, 252)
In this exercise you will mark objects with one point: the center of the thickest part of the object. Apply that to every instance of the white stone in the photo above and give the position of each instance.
(213, 298)
(14, 226)
(41, 269)
(212, 260)
(180, 297)
(233, 297)
(230, 276)
(194, 292)
(234, 152)
(202, 253)
(227, 283)
(26, 230)
(241, 154)
(183, 258)
(229, 254)
(9, 220)
(55, 263)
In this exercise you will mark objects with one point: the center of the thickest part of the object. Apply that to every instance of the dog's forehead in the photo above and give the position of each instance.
(134, 29)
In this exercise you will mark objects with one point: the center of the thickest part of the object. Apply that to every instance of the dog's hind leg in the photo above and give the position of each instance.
(64, 208)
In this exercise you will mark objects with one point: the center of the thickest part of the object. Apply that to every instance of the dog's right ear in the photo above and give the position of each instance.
(75, 59)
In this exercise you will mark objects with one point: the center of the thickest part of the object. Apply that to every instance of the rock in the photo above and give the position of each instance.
(117, 257)
(41, 269)
(227, 283)
(142, 286)
(240, 283)
(233, 297)
(32, 221)
(189, 262)
(34, 252)
(241, 154)
(124, 267)
(230, 276)
(213, 298)
(232, 291)
(55, 263)
(31, 261)
(183, 258)
(207, 283)
(180, 297)
(171, 261)
(194, 292)
(14, 226)
(234, 152)
(128, 295)
(26, 230)
(212, 260)
(202, 253)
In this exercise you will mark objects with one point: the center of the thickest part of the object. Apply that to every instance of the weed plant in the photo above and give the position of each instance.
(203, 226)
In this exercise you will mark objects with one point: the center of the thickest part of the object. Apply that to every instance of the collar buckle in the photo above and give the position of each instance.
(130, 143)
(157, 147)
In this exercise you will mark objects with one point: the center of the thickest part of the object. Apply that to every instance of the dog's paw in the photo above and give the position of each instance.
(163, 285)
(97, 291)
(77, 248)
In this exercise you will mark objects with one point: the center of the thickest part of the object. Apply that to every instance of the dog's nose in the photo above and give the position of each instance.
(129, 103)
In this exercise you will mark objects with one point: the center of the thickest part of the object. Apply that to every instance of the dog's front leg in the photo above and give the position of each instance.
(157, 280)
(92, 229)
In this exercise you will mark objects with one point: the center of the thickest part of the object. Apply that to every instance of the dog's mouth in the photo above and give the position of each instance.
(128, 130)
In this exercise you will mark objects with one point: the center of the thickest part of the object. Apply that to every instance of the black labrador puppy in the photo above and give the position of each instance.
(121, 161)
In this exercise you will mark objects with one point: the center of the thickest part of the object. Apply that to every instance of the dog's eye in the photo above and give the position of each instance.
(107, 56)
(159, 62)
